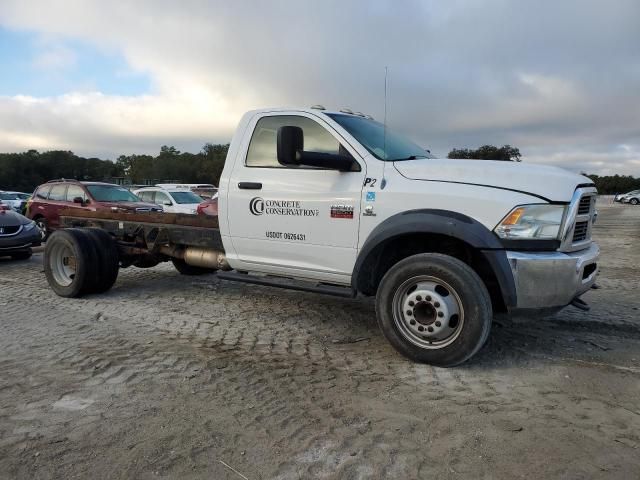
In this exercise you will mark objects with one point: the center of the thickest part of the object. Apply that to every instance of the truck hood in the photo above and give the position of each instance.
(548, 183)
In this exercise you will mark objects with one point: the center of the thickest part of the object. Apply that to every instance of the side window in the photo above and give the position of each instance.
(146, 196)
(263, 147)
(161, 198)
(74, 191)
(43, 192)
(58, 192)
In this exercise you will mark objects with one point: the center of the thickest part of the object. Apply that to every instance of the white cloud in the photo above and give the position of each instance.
(559, 82)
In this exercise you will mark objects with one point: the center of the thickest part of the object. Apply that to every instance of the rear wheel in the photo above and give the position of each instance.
(108, 259)
(22, 255)
(434, 309)
(186, 269)
(70, 263)
(634, 201)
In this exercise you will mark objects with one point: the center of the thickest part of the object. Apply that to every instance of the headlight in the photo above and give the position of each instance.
(29, 226)
(532, 222)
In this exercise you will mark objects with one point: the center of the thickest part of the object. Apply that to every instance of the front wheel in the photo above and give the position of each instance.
(434, 309)
(634, 201)
(41, 223)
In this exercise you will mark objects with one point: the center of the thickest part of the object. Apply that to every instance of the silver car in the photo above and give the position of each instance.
(13, 200)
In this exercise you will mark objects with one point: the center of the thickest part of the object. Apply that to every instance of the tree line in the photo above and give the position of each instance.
(25, 171)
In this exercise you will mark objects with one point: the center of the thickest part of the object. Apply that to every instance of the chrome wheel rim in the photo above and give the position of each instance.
(43, 228)
(63, 265)
(428, 312)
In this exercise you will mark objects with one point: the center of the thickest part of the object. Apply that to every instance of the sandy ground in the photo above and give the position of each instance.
(174, 377)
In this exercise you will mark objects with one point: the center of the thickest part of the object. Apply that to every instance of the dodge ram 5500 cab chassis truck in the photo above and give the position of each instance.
(335, 203)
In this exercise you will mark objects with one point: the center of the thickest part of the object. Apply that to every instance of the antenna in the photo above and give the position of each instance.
(383, 182)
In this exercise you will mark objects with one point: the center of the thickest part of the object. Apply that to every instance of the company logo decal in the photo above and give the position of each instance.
(341, 211)
(256, 206)
(259, 206)
(371, 196)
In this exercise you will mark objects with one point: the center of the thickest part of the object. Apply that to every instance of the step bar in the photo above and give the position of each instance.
(288, 283)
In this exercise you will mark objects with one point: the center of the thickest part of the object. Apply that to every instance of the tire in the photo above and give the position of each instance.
(108, 259)
(71, 263)
(42, 224)
(450, 307)
(22, 255)
(634, 201)
(186, 269)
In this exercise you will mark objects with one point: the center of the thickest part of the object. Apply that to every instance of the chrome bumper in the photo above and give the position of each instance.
(552, 279)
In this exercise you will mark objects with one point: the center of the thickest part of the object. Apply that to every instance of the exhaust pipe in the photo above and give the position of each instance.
(202, 257)
(198, 257)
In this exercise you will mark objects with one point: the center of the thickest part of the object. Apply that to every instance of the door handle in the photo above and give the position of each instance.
(250, 185)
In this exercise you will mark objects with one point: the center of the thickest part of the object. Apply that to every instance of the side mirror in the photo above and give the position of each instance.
(290, 145)
(79, 200)
(290, 149)
(167, 203)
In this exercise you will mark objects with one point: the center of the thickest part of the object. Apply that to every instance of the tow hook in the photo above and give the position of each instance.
(580, 304)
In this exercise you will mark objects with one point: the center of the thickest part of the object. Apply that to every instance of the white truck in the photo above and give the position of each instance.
(335, 203)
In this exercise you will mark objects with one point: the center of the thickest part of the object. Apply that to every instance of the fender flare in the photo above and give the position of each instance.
(446, 223)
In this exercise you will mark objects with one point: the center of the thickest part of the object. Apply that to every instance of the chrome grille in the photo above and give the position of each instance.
(580, 231)
(10, 230)
(576, 233)
(584, 207)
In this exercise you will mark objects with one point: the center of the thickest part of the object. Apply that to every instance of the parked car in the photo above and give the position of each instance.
(172, 200)
(633, 198)
(209, 207)
(12, 200)
(621, 197)
(17, 234)
(205, 190)
(52, 197)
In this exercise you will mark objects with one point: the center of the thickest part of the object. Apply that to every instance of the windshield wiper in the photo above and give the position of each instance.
(410, 157)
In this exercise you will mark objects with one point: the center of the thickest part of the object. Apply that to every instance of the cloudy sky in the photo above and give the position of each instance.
(558, 79)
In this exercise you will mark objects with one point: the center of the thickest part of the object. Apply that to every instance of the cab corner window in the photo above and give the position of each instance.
(263, 146)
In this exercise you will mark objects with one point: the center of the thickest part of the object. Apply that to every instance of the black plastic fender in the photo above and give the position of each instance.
(450, 224)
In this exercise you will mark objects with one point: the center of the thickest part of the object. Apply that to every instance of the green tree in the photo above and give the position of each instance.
(488, 152)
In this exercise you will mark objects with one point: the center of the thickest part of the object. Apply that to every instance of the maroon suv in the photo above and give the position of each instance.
(55, 195)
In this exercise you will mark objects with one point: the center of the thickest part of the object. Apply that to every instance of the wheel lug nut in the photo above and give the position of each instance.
(411, 303)
(412, 322)
(418, 298)
(428, 299)
(438, 324)
(437, 304)
(421, 329)
(440, 314)
(409, 312)
(430, 329)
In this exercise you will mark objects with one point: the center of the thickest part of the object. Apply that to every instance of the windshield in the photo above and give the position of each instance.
(108, 193)
(186, 197)
(384, 146)
(8, 196)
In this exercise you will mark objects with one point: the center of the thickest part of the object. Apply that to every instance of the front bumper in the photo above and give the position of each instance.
(20, 242)
(552, 279)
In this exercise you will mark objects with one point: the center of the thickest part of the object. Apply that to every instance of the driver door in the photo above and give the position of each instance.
(293, 219)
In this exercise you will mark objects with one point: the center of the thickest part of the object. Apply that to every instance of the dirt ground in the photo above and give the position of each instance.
(181, 377)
